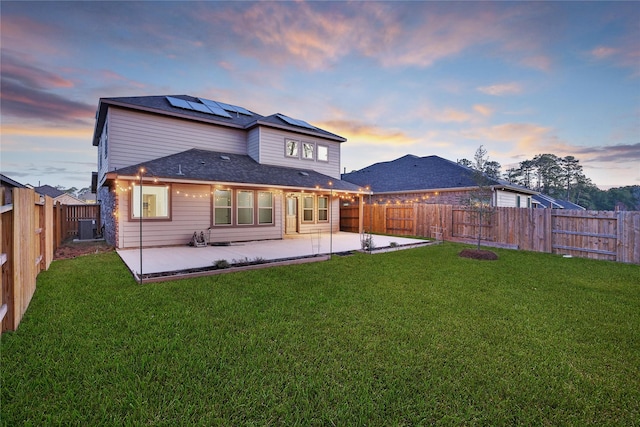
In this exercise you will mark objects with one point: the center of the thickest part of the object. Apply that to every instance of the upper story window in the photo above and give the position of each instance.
(154, 203)
(323, 153)
(307, 150)
(291, 148)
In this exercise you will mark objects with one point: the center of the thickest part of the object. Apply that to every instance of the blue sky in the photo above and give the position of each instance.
(394, 78)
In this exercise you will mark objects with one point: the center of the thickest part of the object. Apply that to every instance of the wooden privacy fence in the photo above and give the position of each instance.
(26, 248)
(69, 217)
(602, 235)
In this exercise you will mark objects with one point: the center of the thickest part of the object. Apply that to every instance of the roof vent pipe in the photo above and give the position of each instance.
(180, 169)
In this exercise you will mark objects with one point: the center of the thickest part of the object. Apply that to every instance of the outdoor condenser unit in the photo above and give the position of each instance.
(86, 228)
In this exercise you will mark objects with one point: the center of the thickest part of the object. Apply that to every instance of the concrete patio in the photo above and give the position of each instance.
(179, 258)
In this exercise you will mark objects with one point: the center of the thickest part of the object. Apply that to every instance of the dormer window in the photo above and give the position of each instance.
(291, 148)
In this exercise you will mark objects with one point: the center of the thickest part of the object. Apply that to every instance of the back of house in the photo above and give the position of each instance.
(182, 164)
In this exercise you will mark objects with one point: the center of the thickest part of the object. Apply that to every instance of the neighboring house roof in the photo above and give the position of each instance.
(244, 120)
(214, 166)
(412, 173)
(550, 202)
(68, 199)
(47, 190)
(8, 182)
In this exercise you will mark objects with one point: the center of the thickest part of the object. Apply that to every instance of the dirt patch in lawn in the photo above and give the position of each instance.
(70, 249)
(479, 254)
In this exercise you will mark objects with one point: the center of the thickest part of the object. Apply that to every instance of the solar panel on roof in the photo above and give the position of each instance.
(235, 108)
(199, 107)
(295, 122)
(177, 102)
(227, 107)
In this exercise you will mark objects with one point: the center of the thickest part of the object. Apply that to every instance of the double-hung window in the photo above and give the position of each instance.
(222, 207)
(265, 207)
(307, 209)
(323, 208)
(245, 207)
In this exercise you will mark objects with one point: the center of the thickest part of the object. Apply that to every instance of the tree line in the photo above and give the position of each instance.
(562, 178)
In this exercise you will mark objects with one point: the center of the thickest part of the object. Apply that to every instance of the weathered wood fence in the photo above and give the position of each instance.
(26, 248)
(605, 235)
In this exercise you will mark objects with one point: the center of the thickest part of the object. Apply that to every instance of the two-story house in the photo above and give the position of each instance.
(182, 164)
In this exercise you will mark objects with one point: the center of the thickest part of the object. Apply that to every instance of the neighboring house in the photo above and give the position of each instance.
(432, 179)
(9, 184)
(544, 201)
(58, 196)
(207, 165)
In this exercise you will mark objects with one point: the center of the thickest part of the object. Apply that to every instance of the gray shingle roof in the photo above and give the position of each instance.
(550, 202)
(47, 190)
(160, 105)
(213, 166)
(413, 173)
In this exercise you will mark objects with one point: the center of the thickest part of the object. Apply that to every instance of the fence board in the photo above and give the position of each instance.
(592, 234)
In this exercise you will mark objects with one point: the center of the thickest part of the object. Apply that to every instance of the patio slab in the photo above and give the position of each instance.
(177, 258)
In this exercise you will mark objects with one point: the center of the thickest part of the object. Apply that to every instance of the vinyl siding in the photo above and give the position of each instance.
(272, 152)
(322, 227)
(190, 211)
(136, 137)
(253, 144)
(507, 199)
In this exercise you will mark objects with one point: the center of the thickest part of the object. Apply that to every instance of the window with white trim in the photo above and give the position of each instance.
(245, 207)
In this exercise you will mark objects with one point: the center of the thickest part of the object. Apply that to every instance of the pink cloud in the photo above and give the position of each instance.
(501, 89)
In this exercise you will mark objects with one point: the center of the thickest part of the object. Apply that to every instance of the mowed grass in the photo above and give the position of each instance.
(414, 337)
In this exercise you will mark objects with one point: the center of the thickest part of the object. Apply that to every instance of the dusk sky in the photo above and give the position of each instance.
(394, 78)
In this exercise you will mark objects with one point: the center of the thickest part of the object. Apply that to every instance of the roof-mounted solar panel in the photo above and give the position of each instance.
(295, 122)
(214, 107)
(235, 109)
(227, 107)
(199, 107)
(177, 102)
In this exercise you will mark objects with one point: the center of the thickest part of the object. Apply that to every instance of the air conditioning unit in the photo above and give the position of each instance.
(86, 229)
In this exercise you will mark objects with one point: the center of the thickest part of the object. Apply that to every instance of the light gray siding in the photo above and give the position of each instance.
(272, 152)
(253, 144)
(136, 137)
(190, 211)
(510, 200)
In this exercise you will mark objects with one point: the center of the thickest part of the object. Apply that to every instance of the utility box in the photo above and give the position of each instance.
(86, 229)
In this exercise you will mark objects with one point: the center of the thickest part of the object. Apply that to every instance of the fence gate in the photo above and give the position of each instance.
(587, 234)
(400, 220)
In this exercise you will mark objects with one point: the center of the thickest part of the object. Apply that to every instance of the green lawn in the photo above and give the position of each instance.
(414, 337)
